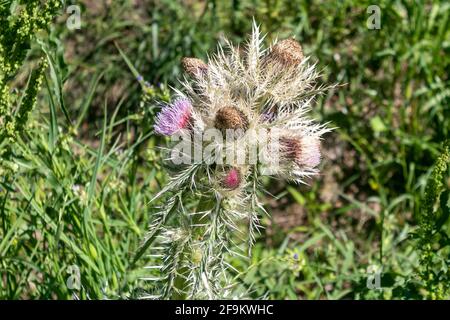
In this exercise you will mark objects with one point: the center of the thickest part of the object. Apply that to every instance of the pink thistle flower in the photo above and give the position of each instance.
(311, 154)
(232, 179)
(174, 117)
(304, 151)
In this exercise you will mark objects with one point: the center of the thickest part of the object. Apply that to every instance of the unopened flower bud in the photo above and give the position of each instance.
(287, 52)
(232, 179)
(194, 67)
(230, 118)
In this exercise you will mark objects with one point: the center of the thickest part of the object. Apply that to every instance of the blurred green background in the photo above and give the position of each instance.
(79, 190)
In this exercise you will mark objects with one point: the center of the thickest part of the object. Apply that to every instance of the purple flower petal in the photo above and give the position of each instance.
(173, 117)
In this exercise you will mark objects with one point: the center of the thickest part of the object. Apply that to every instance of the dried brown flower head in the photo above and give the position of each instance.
(230, 118)
(194, 67)
(287, 52)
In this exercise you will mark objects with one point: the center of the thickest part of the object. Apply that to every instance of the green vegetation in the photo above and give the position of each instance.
(79, 160)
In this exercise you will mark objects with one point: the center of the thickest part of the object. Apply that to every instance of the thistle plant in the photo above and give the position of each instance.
(239, 117)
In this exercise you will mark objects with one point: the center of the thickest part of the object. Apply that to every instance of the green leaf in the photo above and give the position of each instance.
(377, 124)
(296, 195)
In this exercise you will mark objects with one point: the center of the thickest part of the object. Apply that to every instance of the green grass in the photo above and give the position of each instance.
(75, 186)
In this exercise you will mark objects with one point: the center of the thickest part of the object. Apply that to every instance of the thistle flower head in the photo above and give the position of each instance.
(194, 67)
(232, 179)
(230, 118)
(304, 151)
(174, 117)
(288, 52)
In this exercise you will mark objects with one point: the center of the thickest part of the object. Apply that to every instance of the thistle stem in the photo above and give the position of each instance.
(180, 283)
